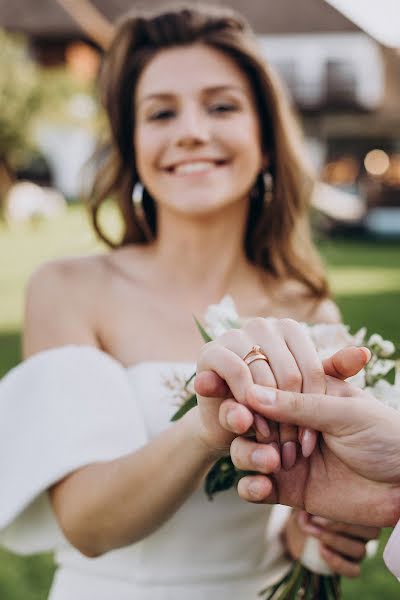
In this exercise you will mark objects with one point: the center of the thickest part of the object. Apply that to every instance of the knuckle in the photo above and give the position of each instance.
(256, 324)
(316, 375)
(292, 380)
(205, 352)
(229, 337)
(237, 369)
(296, 403)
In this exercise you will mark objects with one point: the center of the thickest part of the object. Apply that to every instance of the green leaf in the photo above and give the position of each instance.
(189, 380)
(221, 476)
(329, 589)
(290, 590)
(390, 376)
(188, 405)
(271, 590)
(203, 332)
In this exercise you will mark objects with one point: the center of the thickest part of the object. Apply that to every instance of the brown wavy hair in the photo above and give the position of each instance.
(278, 236)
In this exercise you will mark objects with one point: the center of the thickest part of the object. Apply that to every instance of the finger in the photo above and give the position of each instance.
(322, 412)
(225, 358)
(288, 436)
(211, 385)
(273, 430)
(338, 563)
(229, 366)
(256, 488)
(303, 349)
(247, 455)
(308, 440)
(262, 428)
(262, 374)
(281, 361)
(348, 547)
(346, 362)
(283, 371)
(235, 417)
(356, 531)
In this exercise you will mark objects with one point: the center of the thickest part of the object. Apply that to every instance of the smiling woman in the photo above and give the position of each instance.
(210, 83)
(204, 163)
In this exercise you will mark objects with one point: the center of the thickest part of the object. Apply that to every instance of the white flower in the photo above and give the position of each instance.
(381, 347)
(177, 386)
(381, 367)
(221, 317)
(386, 393)
(387, 348)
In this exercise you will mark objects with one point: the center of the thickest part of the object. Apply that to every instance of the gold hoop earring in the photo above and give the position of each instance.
(268, 187)
(137, 202)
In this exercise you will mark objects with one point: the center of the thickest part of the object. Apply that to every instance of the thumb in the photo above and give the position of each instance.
(346, 362)
(211, 385)
(328, 414)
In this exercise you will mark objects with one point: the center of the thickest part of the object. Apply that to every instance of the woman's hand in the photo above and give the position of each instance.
(342, 546)
(292, 364)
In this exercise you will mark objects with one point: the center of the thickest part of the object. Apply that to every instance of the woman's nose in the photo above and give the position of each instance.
(192, 128)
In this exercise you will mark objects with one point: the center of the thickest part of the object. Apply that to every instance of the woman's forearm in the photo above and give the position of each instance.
(108, 505)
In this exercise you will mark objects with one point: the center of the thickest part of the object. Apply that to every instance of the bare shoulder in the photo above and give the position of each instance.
(59, 307)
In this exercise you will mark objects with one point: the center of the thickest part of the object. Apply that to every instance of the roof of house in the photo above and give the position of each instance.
(47, 17)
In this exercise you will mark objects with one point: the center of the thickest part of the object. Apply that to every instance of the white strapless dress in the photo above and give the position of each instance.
(71, 406)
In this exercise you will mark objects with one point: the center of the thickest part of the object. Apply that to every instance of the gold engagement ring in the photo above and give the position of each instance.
(256, 353)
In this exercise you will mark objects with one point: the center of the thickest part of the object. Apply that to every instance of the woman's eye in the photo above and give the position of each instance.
(222, 108)
(162, 115)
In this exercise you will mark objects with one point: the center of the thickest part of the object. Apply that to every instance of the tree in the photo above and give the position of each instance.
(19, 101)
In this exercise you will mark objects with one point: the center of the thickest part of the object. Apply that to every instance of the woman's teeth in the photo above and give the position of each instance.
(194, 167)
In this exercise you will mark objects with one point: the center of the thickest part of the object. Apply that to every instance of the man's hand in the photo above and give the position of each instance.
(354, 473)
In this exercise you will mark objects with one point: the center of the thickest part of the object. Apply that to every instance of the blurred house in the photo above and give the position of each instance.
(345, 85)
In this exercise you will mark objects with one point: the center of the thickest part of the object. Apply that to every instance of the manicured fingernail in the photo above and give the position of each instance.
(230, 419)
(308, 442)
(289, 452)
(320, 521)
(366, 353)
(278, 451)
(255, 489)
(262, 426)
(259, 458)
(264, 395)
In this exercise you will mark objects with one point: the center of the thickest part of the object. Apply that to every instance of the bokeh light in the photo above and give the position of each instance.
(376, 162)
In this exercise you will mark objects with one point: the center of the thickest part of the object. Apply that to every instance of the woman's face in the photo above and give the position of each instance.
(197, 138)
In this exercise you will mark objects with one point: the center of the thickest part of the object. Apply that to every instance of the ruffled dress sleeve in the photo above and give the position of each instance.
(59, 410)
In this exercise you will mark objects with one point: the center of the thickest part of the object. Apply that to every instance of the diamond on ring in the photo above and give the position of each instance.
(256, 353)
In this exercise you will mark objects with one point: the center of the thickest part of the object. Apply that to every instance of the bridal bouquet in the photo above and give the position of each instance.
(380, 377)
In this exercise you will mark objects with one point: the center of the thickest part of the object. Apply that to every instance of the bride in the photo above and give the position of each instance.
(202, 139)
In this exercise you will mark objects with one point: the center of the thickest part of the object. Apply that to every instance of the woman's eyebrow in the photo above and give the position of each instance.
(156, 96)
(208, 91)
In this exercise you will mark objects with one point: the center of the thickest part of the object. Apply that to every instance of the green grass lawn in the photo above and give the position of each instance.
(365, 278)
